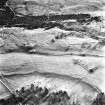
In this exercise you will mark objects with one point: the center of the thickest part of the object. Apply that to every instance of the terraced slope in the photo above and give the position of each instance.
(53, 44)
